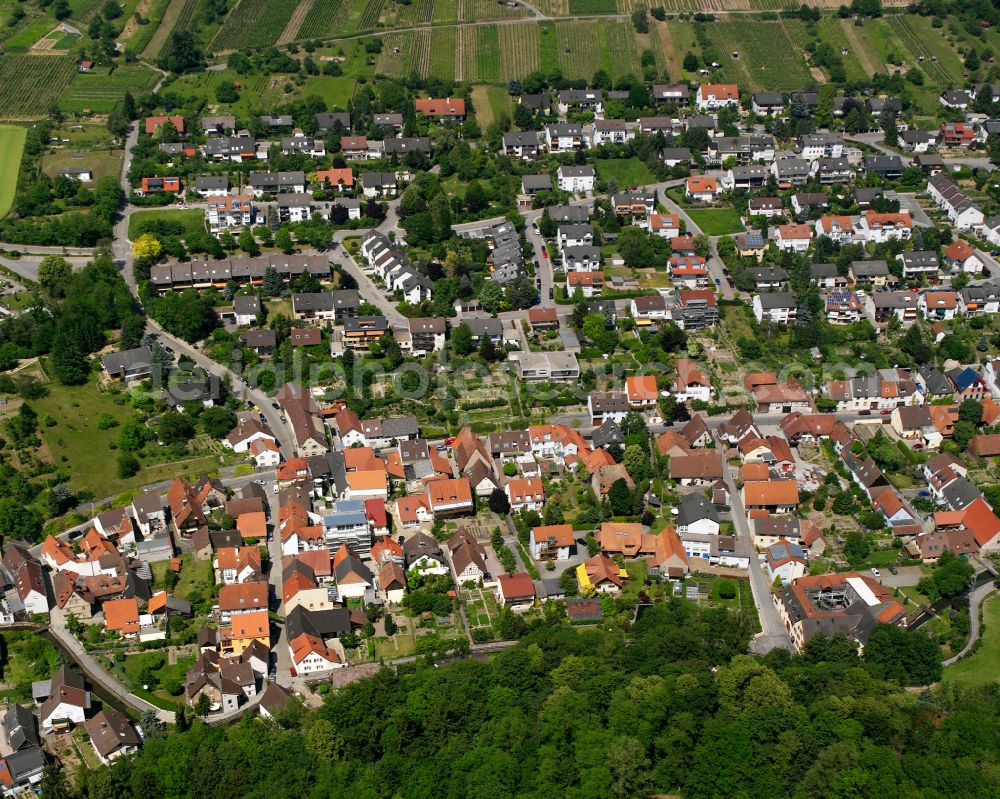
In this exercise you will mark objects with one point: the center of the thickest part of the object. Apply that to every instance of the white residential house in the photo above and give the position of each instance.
(712, 96)
(793, 237)
(778, 308)
(576, 179)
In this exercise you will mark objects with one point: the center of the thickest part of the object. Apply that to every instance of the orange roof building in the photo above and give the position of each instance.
(444, 108)
(122, 616)
(252, 525)
(244, 629)
(449, 497)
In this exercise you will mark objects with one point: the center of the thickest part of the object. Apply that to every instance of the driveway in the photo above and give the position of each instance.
(908, 575)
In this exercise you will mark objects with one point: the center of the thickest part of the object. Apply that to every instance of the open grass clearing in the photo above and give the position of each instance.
(193, 220)
(11, 149)
(717, 221)
(102, 164)
(336, 92)
(624, 171)
(983, 666)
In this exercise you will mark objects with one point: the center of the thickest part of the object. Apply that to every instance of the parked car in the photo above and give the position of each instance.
(893, 570)
(876, 572)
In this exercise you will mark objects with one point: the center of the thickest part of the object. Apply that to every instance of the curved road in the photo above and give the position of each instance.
(975, 601)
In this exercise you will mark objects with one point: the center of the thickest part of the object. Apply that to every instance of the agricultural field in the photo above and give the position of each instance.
(323, 20)
(445, 11)
(438, 58)
(98, 92)
(176, 17)
(583, 7)
(548, 46)
(143, 35)
(766, 57)
(618, 38)
(253, 23)
(32, 84)
(371, 15)
(478, 54)
(488, 11)
(400, 15)
(928, 48)
(11, 149)
(578, 56)
(830, 30)
(519, 48)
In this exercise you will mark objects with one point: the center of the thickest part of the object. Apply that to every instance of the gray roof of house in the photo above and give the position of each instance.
(693, 508)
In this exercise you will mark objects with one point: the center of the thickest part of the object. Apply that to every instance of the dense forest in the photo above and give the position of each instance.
(671, 706)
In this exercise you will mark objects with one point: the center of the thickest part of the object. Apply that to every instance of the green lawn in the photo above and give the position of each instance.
(11, 148)
(102, 163)
(193, 220)
(336, 92)
(195, 575)
(84, 452)
(717, 221)
(167, 677)
(26, 658)
(31, 33)
(983, 667)
(624, 171)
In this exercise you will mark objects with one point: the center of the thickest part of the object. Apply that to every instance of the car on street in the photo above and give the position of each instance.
(893, 570)
(260, 481)
(876, 572)
(545, 253)
(276, 406)
(551, 293)
(864, 413)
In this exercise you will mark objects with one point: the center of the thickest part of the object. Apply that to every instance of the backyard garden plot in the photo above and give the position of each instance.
(253, 23)
(323, 20)
(578, 56)
(440, 60)
(31, 84)
(940, 62)
(518, 50)
(766, 57)
(100, 91)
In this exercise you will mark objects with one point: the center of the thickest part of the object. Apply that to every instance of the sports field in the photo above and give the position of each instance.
(11, 149)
